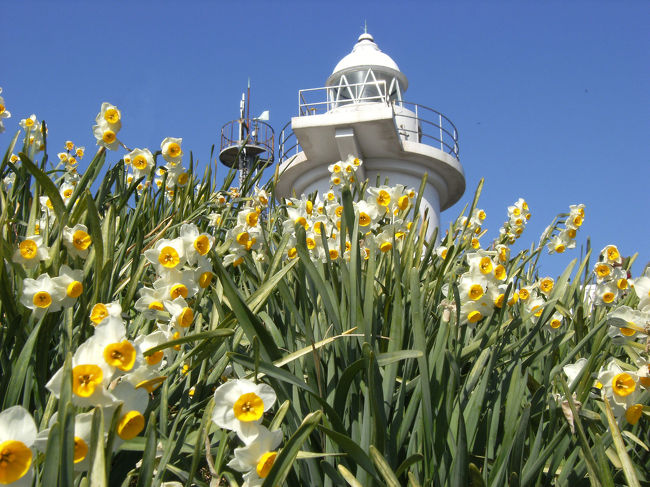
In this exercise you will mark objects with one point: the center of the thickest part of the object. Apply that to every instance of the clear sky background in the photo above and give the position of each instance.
(551, 99)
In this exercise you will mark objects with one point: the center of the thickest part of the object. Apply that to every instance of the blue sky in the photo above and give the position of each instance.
(551, 99)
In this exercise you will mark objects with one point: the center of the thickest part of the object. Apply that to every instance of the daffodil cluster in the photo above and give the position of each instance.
(239, 406)
(518, 216)
(34, 134)
(343, 172)
(4, 113)
(611, 278)
(565, 238)
(108, 124)
(176, 174)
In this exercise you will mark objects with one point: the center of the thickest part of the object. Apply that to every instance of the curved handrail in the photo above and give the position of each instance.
(257, 132)
(447, 133)
(287, 137)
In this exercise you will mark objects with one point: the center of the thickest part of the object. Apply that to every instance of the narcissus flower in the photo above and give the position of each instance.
(82, 430)
(142, 162)
(257, 457)
(106, 136)
(240, 405)
(134, 403)
(42, 294)
(77, 240)
(72, 282)
(196, 244)
(167, 254)
(17, 437)
(31, 251)
(171, 150)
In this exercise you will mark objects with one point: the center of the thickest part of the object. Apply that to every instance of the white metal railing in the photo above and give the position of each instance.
(310, 101)
(432, 126)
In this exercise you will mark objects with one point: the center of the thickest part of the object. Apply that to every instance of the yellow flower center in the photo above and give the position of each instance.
(42, 299)
(475, 292)
(309, 207)
(498, 301)
(157, 305)
(265, 463)
(383, 198)
(603, 270)
(242, 238)
(546, 285)
(252, 218)
(120, 355)
(334, 254)
(623, 384)
(130, 425)
(178, 290)
(155, 357)
(98, 313)
(186, 317)
(621, 284)
(524, 294)
(80, 449)
(311, 243)
(108, 136)
(238, 261)
(556, 323)
(67, 193)
(633, 413)
(364, 219)
(559, 248)
(608, 297)
(202, 244)
(151, 385)
(338, 211)
(85, 378)
(29, 122)
(168, 257)
(139, 162)
(403, 202)
(318, 227)
(205, 279)
(183, 178)
(292, 252)
(28, 249)
(612, 253)
(476, 244)
(628, 332)
(74, 289)
(336, 168)
(385, 246)
(81, 240)
(485, 265)
(112, 115)
(474, 316)
(15, 460)
(571, 232)
(173, 149)
(302, 221)
(500, 272)
(248, 407)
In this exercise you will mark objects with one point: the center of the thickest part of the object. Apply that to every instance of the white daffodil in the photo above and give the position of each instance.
(196, 244)
(367, 215)
(77, 240)
(481, 262)
(134, 403)
(66, 191)
(82, 429)
(29, 124)
(182, 314)
(104, 311)
(150, 302)
(174, 284)
(627, 323)
(106, 136)
(31, 251)
(90, 376)
(142, 162)
(171, 150)
(145, 377)
(573, 371)
(167, 254)
(619, 385)
(4, 113)
(611, 255)
(240, 405)
(559, 243)
(119, 353)
(257, 457)
(72, 281)
(110, 116)
(42, 295)
(146, 342)
(203, 274)
(17, 436)
(607, 292)
(555, 322)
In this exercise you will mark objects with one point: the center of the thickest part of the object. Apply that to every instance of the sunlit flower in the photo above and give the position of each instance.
(77, 240)
(106, 136)
(17, 436)
(171, 150)
(240, 405)
(4, 113)
(167, 254)
(42, 294)
(31, 251)
(182, 314)
(196, 244)
(257, 457)
(134, 403)
(103, 311)
(150, 302)
(110, 116)
(142, 162)
(175, 283)
(82, 430)
(72, 282)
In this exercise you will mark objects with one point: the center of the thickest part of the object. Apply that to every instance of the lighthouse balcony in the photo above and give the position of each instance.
(370, 101)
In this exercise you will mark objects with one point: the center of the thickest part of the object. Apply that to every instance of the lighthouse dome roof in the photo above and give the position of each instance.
(366, 54)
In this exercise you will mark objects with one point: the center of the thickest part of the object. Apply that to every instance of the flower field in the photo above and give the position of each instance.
(160, 328)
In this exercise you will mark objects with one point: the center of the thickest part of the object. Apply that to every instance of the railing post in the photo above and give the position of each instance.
(440, 127)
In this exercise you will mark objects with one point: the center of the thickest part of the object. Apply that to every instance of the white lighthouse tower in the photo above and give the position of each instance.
(361, 111)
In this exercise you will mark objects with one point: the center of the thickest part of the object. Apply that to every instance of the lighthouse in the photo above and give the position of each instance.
(362, 112)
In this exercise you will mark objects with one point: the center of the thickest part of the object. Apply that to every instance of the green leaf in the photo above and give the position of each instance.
(383, 468)
(287, 455)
